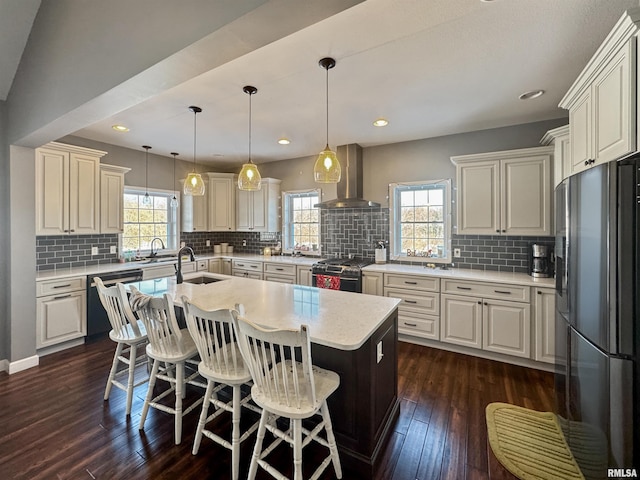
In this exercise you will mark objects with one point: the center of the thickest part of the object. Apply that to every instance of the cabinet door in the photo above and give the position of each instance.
(613, 115)
(259, 205)
(580, 132)
(226, 266)
(372, 283)
(84, 194)
(304, 275)
(215, 265)
(478, 198)
(61, 318)
(545, 326)
(506, 328)
(222, 212)
(52, 192)
(111, 201)
(194, 213)
(526, 196)
(244, 210)
(461, 321)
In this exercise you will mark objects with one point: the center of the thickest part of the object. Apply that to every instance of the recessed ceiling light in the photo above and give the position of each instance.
(531, 94)
(120, 128)
(381, 122)
(284, 141)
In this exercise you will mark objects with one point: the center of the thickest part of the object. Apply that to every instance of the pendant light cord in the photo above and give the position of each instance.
(327, 91)
(250, 94)
(195, 114)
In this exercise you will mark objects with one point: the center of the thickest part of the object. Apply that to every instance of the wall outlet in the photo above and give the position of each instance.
(379, 353)
(456, 253)
(183, 244)
(94, 250)
(208, 243)
(113, 249)
(244, 243)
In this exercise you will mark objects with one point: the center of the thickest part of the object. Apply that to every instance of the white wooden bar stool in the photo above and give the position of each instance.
(128, 333)
(172, 346)
(221, 363)
(288, 388)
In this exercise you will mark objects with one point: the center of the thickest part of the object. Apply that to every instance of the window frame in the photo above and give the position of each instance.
(287, 198)
(395, 250)
(173, 214)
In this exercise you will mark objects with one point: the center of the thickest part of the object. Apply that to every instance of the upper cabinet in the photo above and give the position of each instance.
(222, 202)
(111, 198)
(504, 193)
(194, 211)
(602, 102)
(560, 139)
(67, 190)
(259, 211)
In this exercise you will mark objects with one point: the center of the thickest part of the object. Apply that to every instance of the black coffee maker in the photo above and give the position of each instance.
(541, 261)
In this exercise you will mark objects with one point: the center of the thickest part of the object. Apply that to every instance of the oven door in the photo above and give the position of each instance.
(346, 284)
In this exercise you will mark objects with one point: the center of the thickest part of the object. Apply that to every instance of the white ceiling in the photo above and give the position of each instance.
(432, 67)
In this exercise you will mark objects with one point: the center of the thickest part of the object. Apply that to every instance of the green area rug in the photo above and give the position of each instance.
(530, 444)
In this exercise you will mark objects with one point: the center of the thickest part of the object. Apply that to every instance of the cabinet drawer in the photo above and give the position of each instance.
(415, 282)
(412, 301)
(425, 326)
(202, 265)
(247, 265)
(280, 278)
(188, 267)
(247, 274)
(279, 269)
(515, 293)
(54, 287)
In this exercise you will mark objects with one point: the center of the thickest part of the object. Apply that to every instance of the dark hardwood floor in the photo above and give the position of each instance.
(55, 425)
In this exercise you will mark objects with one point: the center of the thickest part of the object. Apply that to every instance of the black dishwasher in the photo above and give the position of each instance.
(97, 320)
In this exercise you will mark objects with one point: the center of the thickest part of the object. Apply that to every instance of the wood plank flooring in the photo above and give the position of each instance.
(55, 425)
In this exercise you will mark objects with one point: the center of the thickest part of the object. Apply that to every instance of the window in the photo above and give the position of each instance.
(420, 221)
(301, 221)
(143, 223)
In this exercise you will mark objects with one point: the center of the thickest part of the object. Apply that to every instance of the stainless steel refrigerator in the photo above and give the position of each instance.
(597, 306)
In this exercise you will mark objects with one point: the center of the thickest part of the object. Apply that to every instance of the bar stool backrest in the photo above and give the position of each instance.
(159, 318)
(118, 311)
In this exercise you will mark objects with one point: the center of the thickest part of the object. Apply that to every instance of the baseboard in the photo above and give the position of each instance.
(4, 365)
(60, 346)
(23, 364)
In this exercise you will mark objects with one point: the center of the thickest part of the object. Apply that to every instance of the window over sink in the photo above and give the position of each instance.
(420, 221)
(301, 221)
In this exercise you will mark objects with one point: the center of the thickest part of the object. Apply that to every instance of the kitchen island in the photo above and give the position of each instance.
(355, 335)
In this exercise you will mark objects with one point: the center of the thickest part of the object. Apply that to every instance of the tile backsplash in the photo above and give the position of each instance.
(256, 241)
(353, 231)
(66, 251)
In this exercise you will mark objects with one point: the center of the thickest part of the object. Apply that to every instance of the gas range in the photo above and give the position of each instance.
(339, 273)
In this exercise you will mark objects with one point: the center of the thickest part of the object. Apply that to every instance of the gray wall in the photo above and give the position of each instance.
(4, 237)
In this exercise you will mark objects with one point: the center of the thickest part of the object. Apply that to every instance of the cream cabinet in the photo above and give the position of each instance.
(372, 283)
(111, 198)
(545, 324)
(246, 268)
(215, 265)
(303, 273)
(194, 211)
(222, 202)
(278, 272)
(227, 266)
(602, 102)
(202, 265)
(505, 193)
(61, 311)
(259, 211)
(488, 316)
(559, 138)
(67, 190)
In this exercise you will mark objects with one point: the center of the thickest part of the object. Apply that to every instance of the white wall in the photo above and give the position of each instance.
(4, 238)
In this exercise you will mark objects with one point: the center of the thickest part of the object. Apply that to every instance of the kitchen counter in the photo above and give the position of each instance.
(463, 274)
(353, 334)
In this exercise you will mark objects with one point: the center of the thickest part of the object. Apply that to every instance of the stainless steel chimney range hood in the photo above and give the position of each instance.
(349, 188)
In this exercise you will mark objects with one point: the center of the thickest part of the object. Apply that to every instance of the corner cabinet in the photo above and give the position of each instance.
(194, 210)
(602, 102)
(259, 211)
(222, 202)
(67, 190)
(111, 198)
(505, 193)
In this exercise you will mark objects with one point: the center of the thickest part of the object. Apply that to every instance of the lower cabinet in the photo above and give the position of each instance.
(372, 283)
(279, 272)
(461, 321)
(215, 265)
(303, 274)
(246, 268)
(545, 325)
(60, 316)
(227, 266)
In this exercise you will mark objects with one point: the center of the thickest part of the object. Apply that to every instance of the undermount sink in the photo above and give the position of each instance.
(160, 259)
(202, 280)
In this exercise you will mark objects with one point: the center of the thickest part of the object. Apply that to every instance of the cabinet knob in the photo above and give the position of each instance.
(497, 231)
(486, 303)
(592, 161)
(504, 231)
(586, 162)
(539, 292)
(479, 302)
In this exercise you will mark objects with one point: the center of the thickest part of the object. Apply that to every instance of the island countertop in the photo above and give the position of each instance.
(337, 319)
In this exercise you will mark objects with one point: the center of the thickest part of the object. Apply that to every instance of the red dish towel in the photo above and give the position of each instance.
(328, 281)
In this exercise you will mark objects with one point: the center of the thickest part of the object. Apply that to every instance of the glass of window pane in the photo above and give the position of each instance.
(422, 214)
(407, 214)
(406, 198)
(421, 197)
(436, 197)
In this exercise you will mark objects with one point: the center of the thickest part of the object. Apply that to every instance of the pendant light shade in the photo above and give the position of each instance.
(249, 178)
(174, 201)
(146, 200)
(327, 167)
(193, 184)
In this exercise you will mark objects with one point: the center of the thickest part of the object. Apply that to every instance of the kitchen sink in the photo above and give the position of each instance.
(202, 280)
(160, 260)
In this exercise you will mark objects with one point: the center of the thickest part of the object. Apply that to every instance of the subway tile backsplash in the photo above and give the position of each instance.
(353, 231)
(67, 251)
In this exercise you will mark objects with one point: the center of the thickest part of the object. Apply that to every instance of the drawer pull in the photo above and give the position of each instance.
(463, 288)
(280, 269)
(410, 283)
(253, 266)
(61, 296)
(410, 301)
(503, 291)
(410, 324)
(240, 264)
(61, 286)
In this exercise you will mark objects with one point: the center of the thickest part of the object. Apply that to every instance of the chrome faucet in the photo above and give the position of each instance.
(152, 253)
(179, 267)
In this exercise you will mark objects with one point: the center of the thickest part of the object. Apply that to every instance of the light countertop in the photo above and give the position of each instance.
(463, 274)
(336, 319)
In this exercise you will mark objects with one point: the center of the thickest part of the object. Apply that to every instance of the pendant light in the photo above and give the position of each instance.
(327, 167)
(174, 201)
(193, 184)
(146, 200)
(249, 178)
